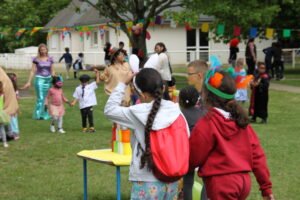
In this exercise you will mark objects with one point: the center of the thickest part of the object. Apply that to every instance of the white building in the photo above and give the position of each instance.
(183, 46)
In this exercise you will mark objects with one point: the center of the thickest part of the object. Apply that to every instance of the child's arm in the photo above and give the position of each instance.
(97, 76)
(259, 165)
(201, 143)
(104, 76)
(73, 102)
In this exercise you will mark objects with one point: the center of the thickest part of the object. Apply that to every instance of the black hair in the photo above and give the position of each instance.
(149, 80)
(115, 55)
(188, 97)
(108, 44)
(251, 40)
(172, 82)
(84, 78)
(121, 43)
(162, 45)
(13, 78)
(55, 79)
(67, 49)
(237, 113)
(135, 51)
(80, 55)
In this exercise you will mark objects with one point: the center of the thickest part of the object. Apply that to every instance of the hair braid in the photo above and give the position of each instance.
(146, 157)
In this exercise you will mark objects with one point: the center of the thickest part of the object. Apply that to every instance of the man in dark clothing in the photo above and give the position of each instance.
(68, 60)
(268, 58)
(277, 62)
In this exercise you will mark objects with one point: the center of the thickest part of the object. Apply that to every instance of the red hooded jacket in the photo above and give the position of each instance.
(218, 146)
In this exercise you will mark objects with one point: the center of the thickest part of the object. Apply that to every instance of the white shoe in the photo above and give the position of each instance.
(61, 130)
(5, 145)
(52, 128)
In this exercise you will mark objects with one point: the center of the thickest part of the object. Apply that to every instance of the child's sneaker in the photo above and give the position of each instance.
(52, 128)
(84, 130)
(61, 130)
(91, 129)
(5, 145)
(16, 137)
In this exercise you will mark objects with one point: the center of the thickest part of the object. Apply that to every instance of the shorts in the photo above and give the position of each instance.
(154, 190)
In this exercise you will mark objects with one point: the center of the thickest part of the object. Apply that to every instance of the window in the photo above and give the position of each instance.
(94, 39)
(54, 41)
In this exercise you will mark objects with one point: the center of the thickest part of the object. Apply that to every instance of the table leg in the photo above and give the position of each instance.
(118, 183)
(84, 180)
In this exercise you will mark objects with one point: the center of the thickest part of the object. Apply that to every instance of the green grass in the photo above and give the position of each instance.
(42, 165)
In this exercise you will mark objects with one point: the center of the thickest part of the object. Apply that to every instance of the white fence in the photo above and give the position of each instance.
(24, 61)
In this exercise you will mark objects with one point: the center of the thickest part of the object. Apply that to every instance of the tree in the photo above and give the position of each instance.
(243, 13)
(25, 14)
(120, 11)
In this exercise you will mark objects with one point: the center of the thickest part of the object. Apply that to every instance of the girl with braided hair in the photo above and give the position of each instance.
(153, 113)
(225, 147)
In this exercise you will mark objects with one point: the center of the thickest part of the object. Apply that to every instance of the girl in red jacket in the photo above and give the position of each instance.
(225, 147)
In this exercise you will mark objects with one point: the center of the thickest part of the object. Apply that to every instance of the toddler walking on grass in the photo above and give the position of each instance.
(85, 95)
(55, 102)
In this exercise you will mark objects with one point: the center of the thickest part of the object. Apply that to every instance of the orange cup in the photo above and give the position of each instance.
(126, 135)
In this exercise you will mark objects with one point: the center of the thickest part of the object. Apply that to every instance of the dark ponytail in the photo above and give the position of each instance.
(237, 113)
(149, 80)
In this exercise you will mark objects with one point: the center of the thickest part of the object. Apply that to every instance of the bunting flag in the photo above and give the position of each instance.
(253, 32)
(151, 22)
(187, 26)
(220, 29)
(81, 34)
(88, 34)
(158, 20)
(236, 31)
(286, 33)
(20, 32)
(35, 29)
(205, 27)
(269, 33)
(102, 33)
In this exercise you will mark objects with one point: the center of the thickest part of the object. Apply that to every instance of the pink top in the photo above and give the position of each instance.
(55, 97)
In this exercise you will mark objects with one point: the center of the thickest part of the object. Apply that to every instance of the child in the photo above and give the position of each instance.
(4, 118)
(55, 102)
(188, 100)
(78, 64)
(68, 60)
(85, 94)
(14, 124)
(224, 146)
(152, 114)
(114, 73)
(260, 94)
(240, 74)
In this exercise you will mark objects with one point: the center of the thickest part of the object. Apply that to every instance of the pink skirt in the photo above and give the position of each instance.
(57, 111)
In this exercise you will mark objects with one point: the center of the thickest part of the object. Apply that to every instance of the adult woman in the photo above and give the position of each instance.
(251, 55)
(114, 73)
(42, 69)
(163, 66)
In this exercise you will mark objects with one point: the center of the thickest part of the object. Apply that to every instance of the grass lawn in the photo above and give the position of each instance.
(42, 165)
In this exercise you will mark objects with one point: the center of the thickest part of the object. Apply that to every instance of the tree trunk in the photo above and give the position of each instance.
(139, 42)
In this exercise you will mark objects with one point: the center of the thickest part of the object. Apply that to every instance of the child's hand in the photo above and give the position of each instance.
(128, 78)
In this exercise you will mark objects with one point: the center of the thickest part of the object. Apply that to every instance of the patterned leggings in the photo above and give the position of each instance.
(154, 191)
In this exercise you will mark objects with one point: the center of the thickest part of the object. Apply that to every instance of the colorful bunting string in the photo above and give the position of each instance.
(269, 33)
(205, 27)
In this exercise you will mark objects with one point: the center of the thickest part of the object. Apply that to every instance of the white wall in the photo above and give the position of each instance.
(173, 38)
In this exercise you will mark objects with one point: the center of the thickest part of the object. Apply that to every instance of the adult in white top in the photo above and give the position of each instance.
(152, 62)
(163, 66)
(134, 61)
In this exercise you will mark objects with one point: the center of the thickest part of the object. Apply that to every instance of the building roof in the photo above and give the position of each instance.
(79, 13)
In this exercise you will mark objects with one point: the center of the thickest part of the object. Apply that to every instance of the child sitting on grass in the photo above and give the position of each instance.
(85, 95)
